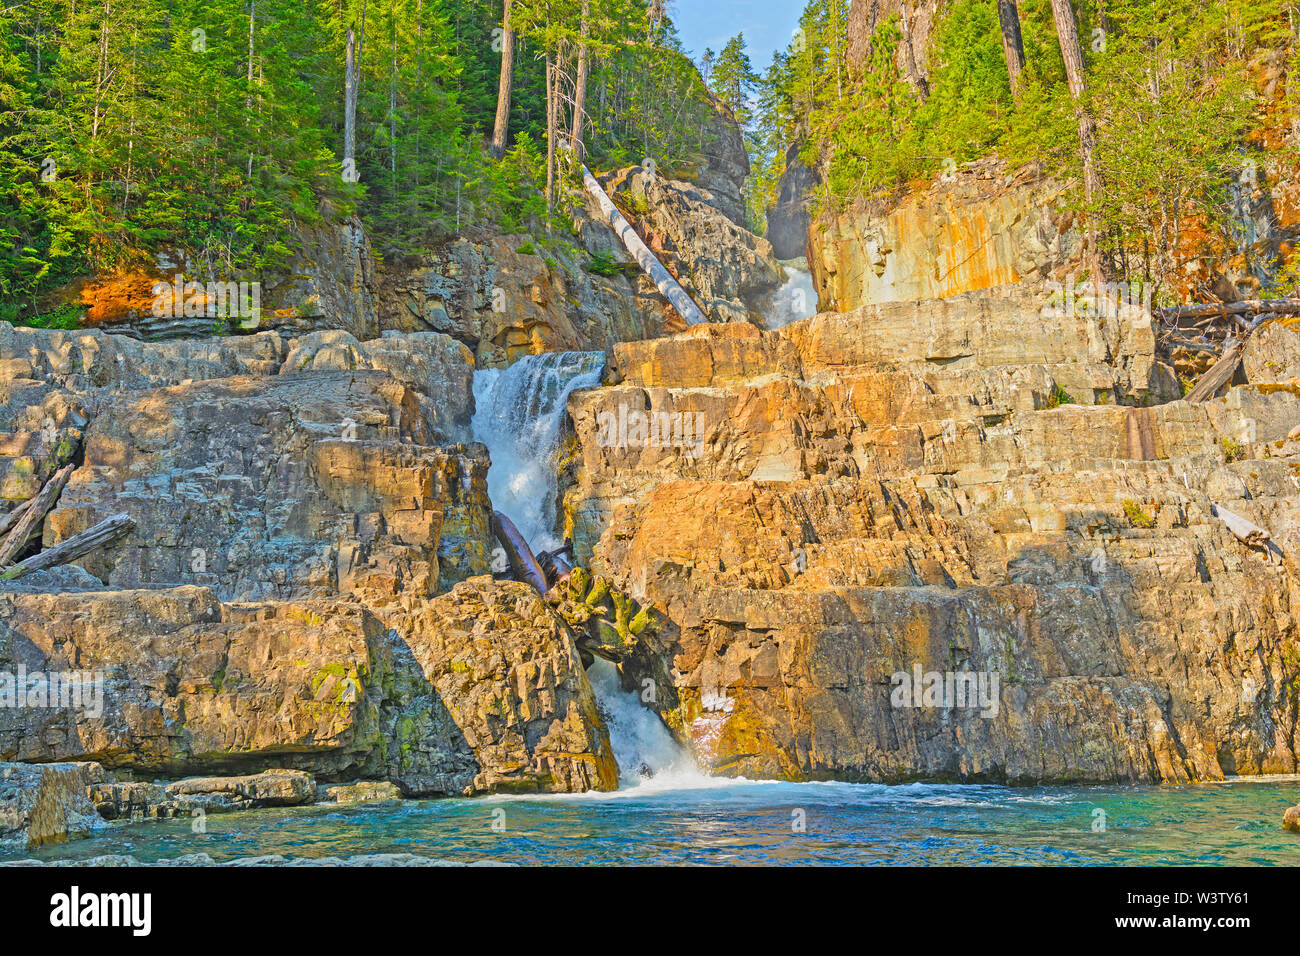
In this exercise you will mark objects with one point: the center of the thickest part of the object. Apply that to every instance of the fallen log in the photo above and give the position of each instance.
(1219, 374)
(1247, 532)
(662, 278)
(28, 525)
(101, 535)
(1224, 309)
(520, 556)
(9, 520)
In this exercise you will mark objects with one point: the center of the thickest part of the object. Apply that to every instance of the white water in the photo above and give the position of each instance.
(649, 758)
(795, 299)
(518, 413)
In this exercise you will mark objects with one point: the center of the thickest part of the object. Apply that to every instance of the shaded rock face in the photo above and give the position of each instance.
(724, 266)
(725, 166)
(788, 220)
(982, 228)
(477, 690)
(45, 803)
(913, 490)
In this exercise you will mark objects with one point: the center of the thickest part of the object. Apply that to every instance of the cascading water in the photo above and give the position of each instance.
(795, 299)
(519, 414)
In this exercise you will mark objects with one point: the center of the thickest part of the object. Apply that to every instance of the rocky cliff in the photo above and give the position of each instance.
(306, 583)
(971, 487)
(979, 227)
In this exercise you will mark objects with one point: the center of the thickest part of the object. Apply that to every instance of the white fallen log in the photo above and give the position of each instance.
(101, 535)
(1247, 532)
(662, 278)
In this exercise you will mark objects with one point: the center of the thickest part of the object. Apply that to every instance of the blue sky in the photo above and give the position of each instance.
(767, 25)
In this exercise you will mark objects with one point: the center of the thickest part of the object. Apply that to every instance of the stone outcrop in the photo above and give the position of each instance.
(1291, 820)
(948, 487)
(980, 227)
(117, 800)
(45, 803)
(477, 690)
(724, 266)
(303, 510)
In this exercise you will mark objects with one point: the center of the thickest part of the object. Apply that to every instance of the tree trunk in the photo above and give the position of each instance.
(580, 88)
(106, 532)
(502, 125)
(350, 104)
(1067, 33)
(914, 75)
(1013, 44)
(551, 126)
(668, 286)
(29, 522)
(518, 553)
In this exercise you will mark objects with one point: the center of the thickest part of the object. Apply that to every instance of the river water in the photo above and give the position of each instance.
(735, 822)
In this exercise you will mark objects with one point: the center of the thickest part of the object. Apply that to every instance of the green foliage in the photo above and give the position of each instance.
(603, 264)
(1171, 85)
(1136, 516)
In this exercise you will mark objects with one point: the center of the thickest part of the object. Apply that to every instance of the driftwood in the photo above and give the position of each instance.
(1223, 309)
(671, 289)
(7, 521)
(520, 556)
(1250, 534)
(28, 525)
(1219, 374)
(105, 533)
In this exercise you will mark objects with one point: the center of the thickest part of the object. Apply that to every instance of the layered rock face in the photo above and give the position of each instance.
(291, 596)
(978, 228)
(480, 689)
(833, 512)
(724, 266)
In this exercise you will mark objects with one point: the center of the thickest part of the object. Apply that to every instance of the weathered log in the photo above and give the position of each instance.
(1223, 309)
(29, 524)
(520, 556)
(1247, 532)
(8, 520)
(1219, 374)
(662, 278)
(101, 535)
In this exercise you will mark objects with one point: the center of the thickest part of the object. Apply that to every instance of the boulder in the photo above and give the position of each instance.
(1291, 819)
(45, 803)
(367, 791)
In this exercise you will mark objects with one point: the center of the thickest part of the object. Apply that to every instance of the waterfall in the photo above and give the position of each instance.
(795, 299)
(518, 414)
(647, 754)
